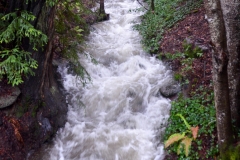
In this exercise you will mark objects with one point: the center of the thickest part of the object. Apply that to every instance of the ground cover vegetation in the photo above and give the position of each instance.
(177, 32)
(164, 16)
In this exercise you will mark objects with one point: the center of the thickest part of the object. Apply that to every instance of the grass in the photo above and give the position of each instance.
(165, 15)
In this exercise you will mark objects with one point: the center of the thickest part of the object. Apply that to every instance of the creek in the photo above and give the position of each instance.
(120, 114)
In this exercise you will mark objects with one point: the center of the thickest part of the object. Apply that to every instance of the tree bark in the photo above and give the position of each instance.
(102, 14)
(152, 5)
(231, 15)
(41, 95)
(220, 74)
(43, 86)
(102, 9)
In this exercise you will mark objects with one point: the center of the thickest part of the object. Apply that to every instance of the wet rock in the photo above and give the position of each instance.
(46, 127)
(10, 97)
(169, 89)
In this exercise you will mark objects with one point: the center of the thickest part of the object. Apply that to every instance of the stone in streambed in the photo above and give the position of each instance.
(169, 89)
(10, 97)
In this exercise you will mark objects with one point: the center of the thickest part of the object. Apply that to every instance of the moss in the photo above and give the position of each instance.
(53, 90)
(27, 105)
(34, 110)
(231, 154)
(20, 111)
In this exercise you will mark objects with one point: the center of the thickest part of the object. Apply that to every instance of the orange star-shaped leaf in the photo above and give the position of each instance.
(194, 131)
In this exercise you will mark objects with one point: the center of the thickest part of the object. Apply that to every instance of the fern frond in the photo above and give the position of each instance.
(180, 148)
(15, 61)
(187, 143)
(174, 138)
(21, 27)
(184, 120)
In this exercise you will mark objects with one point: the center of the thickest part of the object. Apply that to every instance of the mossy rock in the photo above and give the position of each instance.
(10, 97)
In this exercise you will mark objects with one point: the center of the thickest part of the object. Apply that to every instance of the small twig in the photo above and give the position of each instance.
(204, 67)
(4, 151)
(142, 5)
(211, 122)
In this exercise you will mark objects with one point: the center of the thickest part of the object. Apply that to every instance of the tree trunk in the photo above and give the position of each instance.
(231, 15)
(152, 5)
(43, 86)
(102, 10)
(102, 14)
(44, 105)
(220, 75)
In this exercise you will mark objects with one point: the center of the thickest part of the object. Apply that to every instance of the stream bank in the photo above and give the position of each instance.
(38, 107)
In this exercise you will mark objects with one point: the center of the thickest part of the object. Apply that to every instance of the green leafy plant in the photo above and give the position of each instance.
(186, 59)
(188, 55)
(198, 110)
(70, 31)
(52, 3)
(15, 61)
(178, 77)
(190, 51)
(178, 55)
(232, 153)
(165, 15)
(185, 140)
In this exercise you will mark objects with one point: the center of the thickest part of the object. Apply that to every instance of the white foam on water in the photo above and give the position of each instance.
(119, 115)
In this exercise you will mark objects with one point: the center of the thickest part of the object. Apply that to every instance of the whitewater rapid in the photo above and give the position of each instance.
(120, 114)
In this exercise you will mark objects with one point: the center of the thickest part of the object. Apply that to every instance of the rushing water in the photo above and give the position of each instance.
(119, 115)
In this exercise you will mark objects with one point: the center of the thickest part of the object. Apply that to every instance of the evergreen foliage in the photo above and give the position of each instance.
(15, 61)
(70, 29)
(17, 33)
